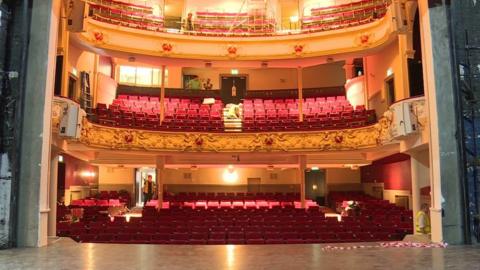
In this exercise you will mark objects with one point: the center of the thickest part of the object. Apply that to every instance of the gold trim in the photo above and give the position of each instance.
(143, 140)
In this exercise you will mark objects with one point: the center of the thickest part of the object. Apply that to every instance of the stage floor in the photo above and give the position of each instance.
(66, 254)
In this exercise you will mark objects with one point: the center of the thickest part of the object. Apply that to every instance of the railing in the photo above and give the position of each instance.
(239, 24)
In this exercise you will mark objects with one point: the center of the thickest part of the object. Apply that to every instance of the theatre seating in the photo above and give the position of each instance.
(345, 15)
(375, 211)
(220, 226)
(125, 14)
(319, 113)
(144, 112)
(282, 225)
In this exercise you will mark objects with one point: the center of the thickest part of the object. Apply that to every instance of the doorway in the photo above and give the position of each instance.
(390, 90)
(233, 88)
(402, 201)
(315, 186)
(140, 178)
(254, 184)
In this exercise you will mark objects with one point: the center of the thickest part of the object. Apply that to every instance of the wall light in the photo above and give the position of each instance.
(315, 168)
(234, 71)
(87, 174)
(60, 158)
(230, 175)
(389, 72)
(294, 19)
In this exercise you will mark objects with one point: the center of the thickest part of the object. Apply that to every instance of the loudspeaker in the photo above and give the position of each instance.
(71, 120)
(76, 14)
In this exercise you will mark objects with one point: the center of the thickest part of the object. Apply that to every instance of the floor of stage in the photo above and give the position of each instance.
(66, 254)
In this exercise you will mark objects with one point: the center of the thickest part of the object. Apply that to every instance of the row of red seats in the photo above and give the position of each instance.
(344, 16)
(237, 204)
(279, 196)
(94, 202)
(243, 227)
(124, 5)
(310, 122)
(319, 113)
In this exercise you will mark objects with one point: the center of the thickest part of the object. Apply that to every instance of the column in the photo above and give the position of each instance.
(349, 68)
(52, 192)
(36, 118)
(404, 53)
(365, 81)
(63, 48)
(302, 166)
(420, 172)
(160, 166)
(447, 225)
(300, 93)
(162, 96)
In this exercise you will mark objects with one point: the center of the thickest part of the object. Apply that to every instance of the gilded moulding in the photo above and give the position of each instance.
(134, 139)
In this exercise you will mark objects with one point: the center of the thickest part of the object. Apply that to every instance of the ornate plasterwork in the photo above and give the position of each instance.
(132, 139)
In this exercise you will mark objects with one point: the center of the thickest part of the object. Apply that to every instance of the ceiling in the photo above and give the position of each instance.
(137, 159)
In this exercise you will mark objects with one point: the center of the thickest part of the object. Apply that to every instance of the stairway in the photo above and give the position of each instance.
(232, 124)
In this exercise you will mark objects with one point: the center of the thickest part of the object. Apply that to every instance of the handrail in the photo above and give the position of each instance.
(335, 17)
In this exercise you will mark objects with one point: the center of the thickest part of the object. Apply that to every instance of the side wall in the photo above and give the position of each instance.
(393, 174)
(377, 67)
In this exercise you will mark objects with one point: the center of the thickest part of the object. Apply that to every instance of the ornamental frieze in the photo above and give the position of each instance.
(134, 139)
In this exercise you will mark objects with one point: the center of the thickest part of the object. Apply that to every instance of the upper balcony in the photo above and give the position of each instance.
(335, 30)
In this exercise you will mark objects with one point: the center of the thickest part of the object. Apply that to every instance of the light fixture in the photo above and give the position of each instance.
(389, 72)
(314, 187)
(315, 168)
(230, 175)
(87, 174)
(234, 71)
(294, 19)
(60, 158)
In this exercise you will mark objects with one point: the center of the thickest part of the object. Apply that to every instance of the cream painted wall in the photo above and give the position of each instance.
(115, 178)
(116, 175)
(107, 89)
(276, 78)
(390, 195)
(80, 59)
(324, 75)
(214, 176)
(377, 67)
(339, 179)
(174, 77)
(258, 79)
